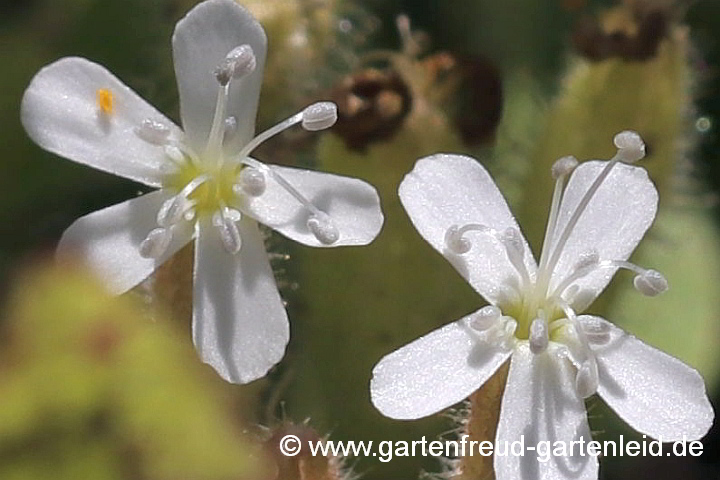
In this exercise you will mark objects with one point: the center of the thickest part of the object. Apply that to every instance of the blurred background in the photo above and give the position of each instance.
(107, 388)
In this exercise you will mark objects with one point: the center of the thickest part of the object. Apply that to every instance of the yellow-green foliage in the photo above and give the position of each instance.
(90, 387)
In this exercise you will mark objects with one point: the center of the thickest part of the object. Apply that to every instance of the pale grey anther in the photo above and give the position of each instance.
(172, 210)
(323, 228)
(319, 116)
(539, 335)
(251, 181)
(239, 62)
(563, 166)
(153, 132)
(587, 260)
(631, 147)
(156, 243)
(650, 283)
(175, 154)
(455, 242)
(485, 318)
(224, 221)
(513, 242)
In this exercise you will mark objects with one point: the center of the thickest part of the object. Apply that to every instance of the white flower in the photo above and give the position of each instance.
(557, 356)
(208, 187)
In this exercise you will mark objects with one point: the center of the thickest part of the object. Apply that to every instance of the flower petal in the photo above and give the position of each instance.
(62, 112)
(654, 393)
(614, 221)
(540, 404)
(434, 372)
(353, 206)
(109, 241)
(239, 322)
(201, 41)
(453, 190)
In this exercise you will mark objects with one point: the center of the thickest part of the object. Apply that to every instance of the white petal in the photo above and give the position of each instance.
(201, 41)
(239, 322)
(614, 222)
(60, 112)
(654, 393)
(434, 372)
(540, 404)
(353, 206)
(453, 190)
(109, 241)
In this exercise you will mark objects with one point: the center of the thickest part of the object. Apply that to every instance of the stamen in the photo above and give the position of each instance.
(153, 132)
(631, 147)
(319, 116)
(485, 318)
(319, 223)
(239, 62)
(323, 227)
(175, 154)
(560, 169)
(539, 335)
(456, 243)
(512, 241)
(563, 167)
(224, 220)
(596, 331)
(174, 208)
(315, 117)
(156, 243)
(251, 181)
(650, 283)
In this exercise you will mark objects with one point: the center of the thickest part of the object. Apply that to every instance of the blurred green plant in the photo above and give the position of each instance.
(90, 388)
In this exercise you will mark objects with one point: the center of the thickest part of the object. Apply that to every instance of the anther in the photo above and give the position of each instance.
(172, 210)
(596, 331)
(485, 318)
(631, 147)
(563, 166)
(587, 260)
(319, 116)
(650, 283)
(153, 132)
(175, 154)
(225, 220)
(586, 380)
(156, 243)
(323, 227)
(239, 62)
(455, 242)
(513, 243)
(251, 181)
(539, 335)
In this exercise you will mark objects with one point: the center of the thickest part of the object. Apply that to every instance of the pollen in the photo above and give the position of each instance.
(104, 100)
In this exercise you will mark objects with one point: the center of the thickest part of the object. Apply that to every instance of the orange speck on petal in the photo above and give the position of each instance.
(104, 100)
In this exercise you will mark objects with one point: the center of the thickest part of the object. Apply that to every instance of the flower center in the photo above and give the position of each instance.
(215, 182)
